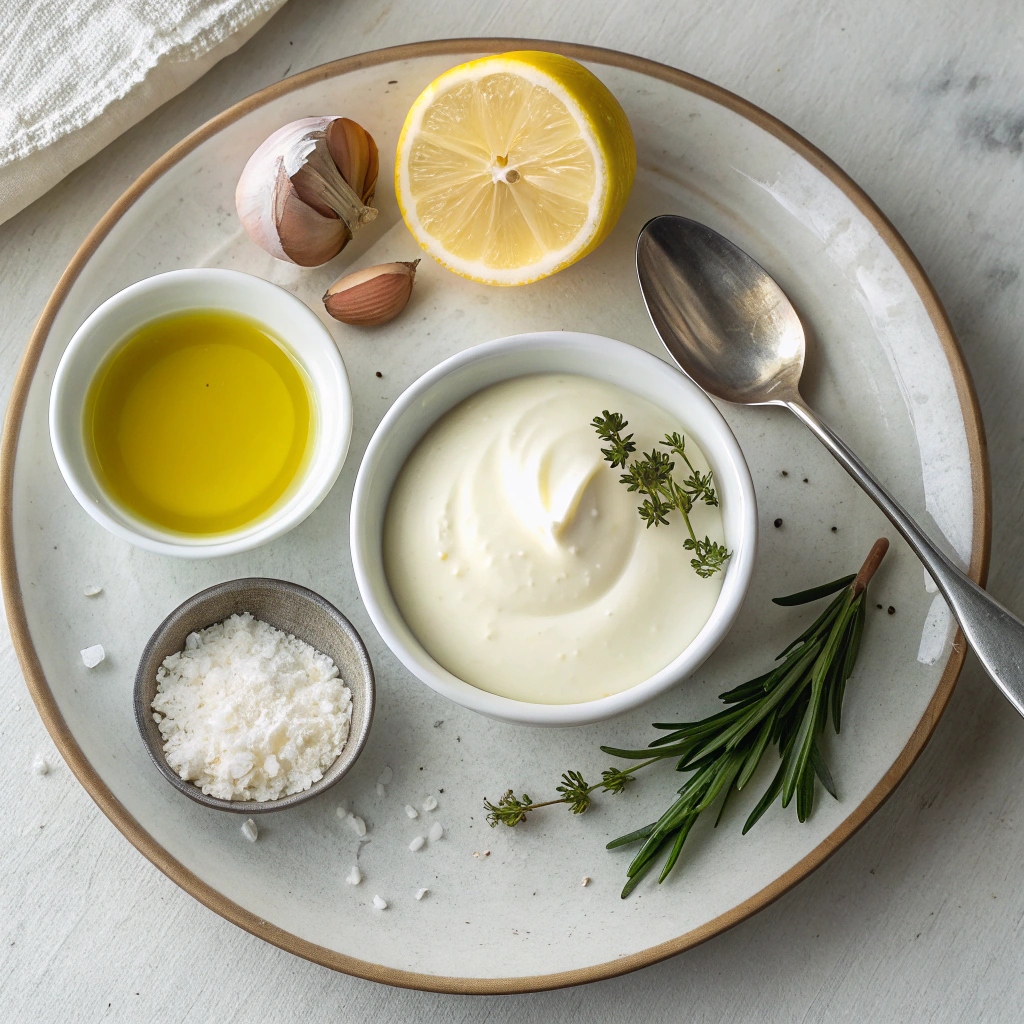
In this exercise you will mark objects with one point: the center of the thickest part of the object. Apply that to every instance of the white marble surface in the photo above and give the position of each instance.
(919, 916)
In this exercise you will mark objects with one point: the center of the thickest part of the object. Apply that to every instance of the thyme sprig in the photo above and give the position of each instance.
(652, 476)
(510, 809)
(787, 707)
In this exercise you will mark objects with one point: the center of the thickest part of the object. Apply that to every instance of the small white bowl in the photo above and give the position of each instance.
(285, 317)
(454, 380)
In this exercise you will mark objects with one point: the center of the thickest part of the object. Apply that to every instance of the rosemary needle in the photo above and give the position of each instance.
(787, 707)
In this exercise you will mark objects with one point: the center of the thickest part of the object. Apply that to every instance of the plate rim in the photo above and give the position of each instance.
(73, 755)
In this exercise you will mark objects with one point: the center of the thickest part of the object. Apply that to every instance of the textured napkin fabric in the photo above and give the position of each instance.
(75, 74)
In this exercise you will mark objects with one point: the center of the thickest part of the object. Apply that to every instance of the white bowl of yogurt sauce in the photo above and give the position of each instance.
(503, 562)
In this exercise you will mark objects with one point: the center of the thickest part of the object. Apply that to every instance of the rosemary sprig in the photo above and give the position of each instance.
(652, 477)
(787, 707)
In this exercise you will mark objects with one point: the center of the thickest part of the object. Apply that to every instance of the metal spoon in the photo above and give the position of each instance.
(732, 330)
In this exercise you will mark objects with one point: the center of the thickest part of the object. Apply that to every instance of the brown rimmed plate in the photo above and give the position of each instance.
(886, 371)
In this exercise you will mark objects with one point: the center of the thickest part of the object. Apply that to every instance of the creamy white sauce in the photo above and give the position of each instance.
(518, 559)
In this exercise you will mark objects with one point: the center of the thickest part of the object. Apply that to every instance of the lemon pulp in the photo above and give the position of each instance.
(510, 168)
(199, 423)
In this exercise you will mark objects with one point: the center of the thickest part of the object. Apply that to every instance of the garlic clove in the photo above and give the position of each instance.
(373, 295)
(305, 236)
(354, 154)
(295, 199)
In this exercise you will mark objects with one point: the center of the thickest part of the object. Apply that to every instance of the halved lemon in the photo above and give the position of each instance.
(513, 167)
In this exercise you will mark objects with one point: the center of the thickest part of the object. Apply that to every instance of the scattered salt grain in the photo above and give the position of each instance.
(417, 844)
(92, 590)
(250, 831)
(40, 766)
(355, 876)
(385, 777)
(92, 656)
(586, 881)
(420, 893)
(342, 810)
(380, 903)
(381, 791)
(430, 803)
(436, 831)
(357, 824)
(411, 811)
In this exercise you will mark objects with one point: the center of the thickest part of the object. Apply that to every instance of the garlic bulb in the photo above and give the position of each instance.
(373, 295)
(305, 190)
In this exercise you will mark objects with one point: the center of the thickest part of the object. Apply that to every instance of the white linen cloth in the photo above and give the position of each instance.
(75, 74)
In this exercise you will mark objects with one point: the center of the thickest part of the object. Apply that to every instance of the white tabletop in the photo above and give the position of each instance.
(919, 917)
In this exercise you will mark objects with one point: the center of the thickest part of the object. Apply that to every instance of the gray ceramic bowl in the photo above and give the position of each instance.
(291, 608)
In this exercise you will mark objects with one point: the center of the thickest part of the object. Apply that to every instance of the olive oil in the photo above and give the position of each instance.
(200, 422)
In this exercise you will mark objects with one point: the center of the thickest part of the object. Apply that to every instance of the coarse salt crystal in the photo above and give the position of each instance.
(420, 893)
(250, 712)
(355, 876)
(92, 656)
(385, 777)
(357, 824)
(250, 831)
(92, 590)
(417, 844)
(411, 811)
(380, 903)
(430, 803)
(41, 766)
(436, 831)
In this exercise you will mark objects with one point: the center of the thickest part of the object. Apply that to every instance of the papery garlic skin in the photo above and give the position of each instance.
(294, 199)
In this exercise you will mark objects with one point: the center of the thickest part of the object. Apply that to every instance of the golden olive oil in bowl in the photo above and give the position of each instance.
(199, 422)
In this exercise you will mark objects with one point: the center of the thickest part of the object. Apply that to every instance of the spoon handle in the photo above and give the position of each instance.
(996, 635)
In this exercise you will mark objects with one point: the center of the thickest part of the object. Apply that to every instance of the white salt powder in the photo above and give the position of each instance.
(249, 712)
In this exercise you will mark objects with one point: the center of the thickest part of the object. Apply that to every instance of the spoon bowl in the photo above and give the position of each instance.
(722, 317)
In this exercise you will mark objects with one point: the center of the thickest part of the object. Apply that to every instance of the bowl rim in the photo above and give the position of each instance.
(293, 511)
(354, 743)
(382, 608)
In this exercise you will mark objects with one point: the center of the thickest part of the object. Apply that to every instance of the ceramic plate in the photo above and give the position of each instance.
(885, 370)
